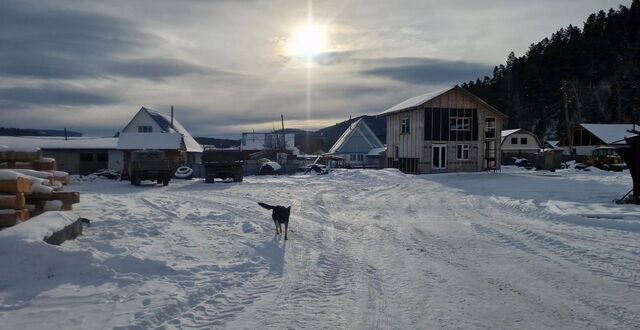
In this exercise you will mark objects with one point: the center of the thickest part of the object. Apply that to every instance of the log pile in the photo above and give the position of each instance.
(30, 185)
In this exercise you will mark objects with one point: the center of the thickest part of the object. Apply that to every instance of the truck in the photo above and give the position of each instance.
(223, 164)
(150, 165)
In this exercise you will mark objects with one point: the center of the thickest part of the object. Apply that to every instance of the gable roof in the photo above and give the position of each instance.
(361, 127)
(164, 121)
(505, 133)
(417, 101)
(610, 133)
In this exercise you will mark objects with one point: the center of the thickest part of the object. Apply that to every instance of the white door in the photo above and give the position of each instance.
(439, 156)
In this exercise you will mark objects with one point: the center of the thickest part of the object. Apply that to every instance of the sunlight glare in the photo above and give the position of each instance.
(308, 40)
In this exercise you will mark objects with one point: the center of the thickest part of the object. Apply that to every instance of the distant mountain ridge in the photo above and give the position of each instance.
(10, 131)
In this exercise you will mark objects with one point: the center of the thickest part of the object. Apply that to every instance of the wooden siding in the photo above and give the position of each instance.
(417, 145)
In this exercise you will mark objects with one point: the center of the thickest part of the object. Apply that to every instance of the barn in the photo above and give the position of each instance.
(519, 143)
(451, 130)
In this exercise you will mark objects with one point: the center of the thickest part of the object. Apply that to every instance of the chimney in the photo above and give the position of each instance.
(172, 117)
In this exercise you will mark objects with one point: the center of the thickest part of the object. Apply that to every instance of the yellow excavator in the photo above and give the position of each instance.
(606, 158)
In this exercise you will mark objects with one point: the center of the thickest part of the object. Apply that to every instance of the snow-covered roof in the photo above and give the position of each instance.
(508, 132)
(553, 143)
(419, 100)
(164, 121)
(610, 133)
(416, 101)
(361, 127)
(376, 151)
(51, 142)
(161, 141)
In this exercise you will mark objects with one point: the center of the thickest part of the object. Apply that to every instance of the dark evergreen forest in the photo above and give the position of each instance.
(589, 74)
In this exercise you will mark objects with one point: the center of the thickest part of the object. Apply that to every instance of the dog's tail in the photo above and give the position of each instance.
(266, 206)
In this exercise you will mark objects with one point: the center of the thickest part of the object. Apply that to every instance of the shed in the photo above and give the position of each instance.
(75, 155)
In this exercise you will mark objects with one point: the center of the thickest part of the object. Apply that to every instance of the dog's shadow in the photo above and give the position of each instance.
(273, 252)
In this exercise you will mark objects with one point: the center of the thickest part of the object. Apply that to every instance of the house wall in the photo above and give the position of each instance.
(73, 162)
(262, 141)
(142, 119)
(367, 161)
(532, 143)
(416, 152)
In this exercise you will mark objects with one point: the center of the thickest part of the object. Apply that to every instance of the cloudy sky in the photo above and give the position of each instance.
(228, 66)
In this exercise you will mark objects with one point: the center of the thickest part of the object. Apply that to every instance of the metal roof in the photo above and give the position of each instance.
(610, 133)
(358, 126)
(419, 100)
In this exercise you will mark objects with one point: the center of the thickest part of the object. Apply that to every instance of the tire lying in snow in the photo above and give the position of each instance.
(184, 172)
(269, 168)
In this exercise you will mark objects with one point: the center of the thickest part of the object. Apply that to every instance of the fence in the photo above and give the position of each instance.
(251, 167)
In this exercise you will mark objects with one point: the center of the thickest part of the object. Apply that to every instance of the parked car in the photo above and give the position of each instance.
(150, 165)
(223, 164)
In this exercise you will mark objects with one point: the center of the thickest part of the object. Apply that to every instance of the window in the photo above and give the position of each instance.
(514, 140)
(397, 152)
(463, 151)
(460, 124)
(102, 157)
(145, 129)
(360, 157)
(523, 140)
(490, 129)
(86, 157)
(404, 126)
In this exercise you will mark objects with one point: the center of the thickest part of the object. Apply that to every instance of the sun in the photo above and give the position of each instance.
(308, 41)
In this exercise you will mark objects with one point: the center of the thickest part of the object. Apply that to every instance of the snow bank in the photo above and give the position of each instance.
(37, 228)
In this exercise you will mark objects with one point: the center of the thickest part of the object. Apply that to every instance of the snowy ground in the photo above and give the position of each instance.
(367, 250)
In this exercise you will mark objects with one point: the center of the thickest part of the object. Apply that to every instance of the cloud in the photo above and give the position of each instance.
(426, 70)
(24, 97)
(59, 43)
(159, 68)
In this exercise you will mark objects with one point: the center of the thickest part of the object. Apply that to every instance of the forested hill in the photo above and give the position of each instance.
(596, 70)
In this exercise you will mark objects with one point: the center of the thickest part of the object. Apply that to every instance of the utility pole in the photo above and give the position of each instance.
(565, 103)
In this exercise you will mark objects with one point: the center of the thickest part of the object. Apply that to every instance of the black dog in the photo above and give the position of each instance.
(280, 216)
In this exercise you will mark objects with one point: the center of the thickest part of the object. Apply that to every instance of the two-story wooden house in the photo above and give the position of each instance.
(450, 130)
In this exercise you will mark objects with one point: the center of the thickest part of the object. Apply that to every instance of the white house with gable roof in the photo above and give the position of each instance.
(150, 129)
(359, 146)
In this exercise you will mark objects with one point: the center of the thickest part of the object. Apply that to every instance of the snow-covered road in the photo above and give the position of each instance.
(367, 250)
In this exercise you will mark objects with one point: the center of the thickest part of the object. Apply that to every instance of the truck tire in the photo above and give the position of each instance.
(165, 181)
(135, 180)
(237, 179)
(159, 181)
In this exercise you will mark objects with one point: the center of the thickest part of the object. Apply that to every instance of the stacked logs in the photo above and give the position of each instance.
(31, 185)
